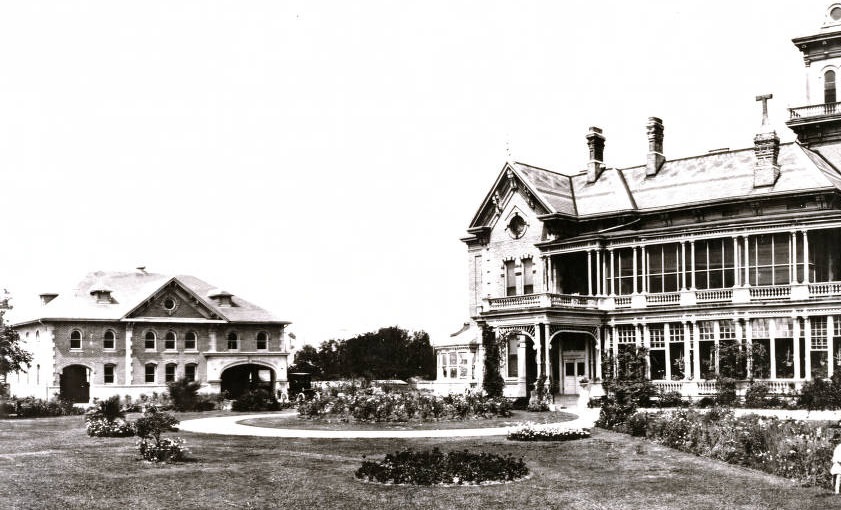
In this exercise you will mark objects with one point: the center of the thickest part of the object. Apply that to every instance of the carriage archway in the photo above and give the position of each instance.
(74, 384)
(240, 379)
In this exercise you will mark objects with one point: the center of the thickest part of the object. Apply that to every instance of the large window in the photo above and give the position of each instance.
(769, 259)
(623, 271)
(149, 341)
(528, 276)
(714, 264)
(233, 341)
(454, 365)
(169, 341)
(75, 339)
(108, 340)
(169, 372)
(829, 87)
(510, 278)
(657, 355)
(190, 371)
(262, 341)
(663, 267)
(151, 368)
(190, 341)
(108, 374)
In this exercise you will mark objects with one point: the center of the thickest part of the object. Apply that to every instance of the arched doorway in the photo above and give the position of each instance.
(572, 358)
(240, 379)
(73, 384)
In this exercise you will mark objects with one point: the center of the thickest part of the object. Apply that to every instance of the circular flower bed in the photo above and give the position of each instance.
(433, 467)
(547, 432)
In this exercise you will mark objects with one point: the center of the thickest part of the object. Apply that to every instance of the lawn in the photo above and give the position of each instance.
(51, 463)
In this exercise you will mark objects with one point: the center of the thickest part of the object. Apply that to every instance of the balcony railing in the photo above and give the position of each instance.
(816, 110)
(741, 295)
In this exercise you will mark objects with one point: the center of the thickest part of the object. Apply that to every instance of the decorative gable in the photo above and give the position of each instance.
(508, 185)
(173, 300)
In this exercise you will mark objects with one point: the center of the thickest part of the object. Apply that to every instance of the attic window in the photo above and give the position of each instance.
(169, 304)
(517, 226)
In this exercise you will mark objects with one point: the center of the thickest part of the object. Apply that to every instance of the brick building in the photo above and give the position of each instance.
(131, 333)
(566, 269)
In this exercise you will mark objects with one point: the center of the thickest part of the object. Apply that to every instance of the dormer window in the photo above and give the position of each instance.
(829, 95)
(221, 298)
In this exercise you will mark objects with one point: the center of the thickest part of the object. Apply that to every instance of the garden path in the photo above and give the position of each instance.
(231, 426)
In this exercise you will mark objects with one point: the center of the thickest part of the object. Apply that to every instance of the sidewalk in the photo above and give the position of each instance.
(230, 426)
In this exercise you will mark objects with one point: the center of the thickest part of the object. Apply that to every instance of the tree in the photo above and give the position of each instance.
(13, 358)
(307, 360)
(492, 382)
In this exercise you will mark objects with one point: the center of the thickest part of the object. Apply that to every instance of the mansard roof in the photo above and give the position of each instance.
(130, 291)
(712, 178)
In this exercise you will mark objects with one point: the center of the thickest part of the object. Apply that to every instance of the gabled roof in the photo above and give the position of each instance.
(715, 177)
(131, 290)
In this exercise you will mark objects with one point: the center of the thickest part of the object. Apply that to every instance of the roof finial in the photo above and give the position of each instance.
(764, 98)
(507, 148)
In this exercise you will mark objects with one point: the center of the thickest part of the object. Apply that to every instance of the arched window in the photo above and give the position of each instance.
(233, 341)
(149, 340)
(829, 87)
(151, 368)
(169, 341)
(190, 341)
(262, 341)
(108, 340)
(75, 339)
(169, 372)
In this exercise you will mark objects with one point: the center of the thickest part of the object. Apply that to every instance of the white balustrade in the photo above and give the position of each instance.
(713, 295)
(770, 292)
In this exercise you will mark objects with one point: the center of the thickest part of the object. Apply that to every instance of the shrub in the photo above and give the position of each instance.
(614, 414)
(547, 432)
(539, 400)
(256, 400)
(726, 395)
(184, 394)
(31, 407)
(151, 446)
(671, 399)
(436, 468)
(756, 395)
(819, 394)
(108, 410)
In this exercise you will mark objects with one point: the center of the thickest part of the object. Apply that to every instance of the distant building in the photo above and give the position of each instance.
(131, 333)
(568, 269)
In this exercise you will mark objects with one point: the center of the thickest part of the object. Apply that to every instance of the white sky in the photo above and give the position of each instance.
(322, 159)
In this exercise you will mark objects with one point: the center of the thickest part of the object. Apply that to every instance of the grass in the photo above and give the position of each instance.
(51, 463)
(517, 417)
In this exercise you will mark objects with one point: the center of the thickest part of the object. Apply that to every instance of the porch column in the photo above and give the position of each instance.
(599, 353)
(683, 265)
(793, 257)
(796, 343)
(749, 347)
(805, 256)
(692, 264)
(547, 268)
(634, 270)
(666, 333)
(687, 351)
(746, 263)
(612, 275)
(538, 349)
(807, 347)
(696, 348)
(598, 273)
(521, 362)
(735, 261)
(589, 272)
(830, 345)
(772, 347)
(716, 335)
(128, 357)
(604, 275)
(547, 367)
(644, 289)
(646, 342)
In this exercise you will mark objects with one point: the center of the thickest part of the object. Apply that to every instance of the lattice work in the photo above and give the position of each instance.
(521, 330)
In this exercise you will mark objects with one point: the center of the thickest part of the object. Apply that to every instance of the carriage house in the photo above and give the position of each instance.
(132, 333)
(683, 257)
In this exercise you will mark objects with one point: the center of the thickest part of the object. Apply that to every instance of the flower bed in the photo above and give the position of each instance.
(101, 427)
(348, 403)
(437, 468)
(547, 432)
(31, 407)
(794, 449)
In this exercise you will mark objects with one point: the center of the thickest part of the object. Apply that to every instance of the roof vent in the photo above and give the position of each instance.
(220, 297)
(101, 292)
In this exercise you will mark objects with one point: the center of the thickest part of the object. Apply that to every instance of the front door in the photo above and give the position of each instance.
(574, 369)
(73, 384)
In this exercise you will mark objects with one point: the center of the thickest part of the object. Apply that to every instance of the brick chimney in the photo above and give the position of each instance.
(766, 147)
(654, 128)
(595, 142)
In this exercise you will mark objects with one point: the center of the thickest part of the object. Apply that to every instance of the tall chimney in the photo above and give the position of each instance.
(766, 147)
(654, 128)
(595, 142)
